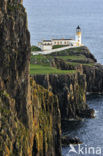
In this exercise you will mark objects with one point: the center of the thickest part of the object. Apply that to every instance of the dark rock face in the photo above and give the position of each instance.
(29, 114)
(67, 140)
(15, 53)
(46, 122)
(61, 64)
(71, 92)
(88, 66)
(94, 78)
(88, 113)
(14, 78)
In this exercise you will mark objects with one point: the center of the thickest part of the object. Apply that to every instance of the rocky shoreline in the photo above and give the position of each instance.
(67, 140)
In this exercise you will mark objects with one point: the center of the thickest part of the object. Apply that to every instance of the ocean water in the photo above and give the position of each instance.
(90, 131)
(49, 19)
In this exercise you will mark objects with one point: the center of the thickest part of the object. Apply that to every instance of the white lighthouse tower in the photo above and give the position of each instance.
(78, 36)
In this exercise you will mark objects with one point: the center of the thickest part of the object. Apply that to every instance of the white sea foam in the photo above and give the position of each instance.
(96, 113)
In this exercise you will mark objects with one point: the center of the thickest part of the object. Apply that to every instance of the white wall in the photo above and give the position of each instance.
(62, 42)
(78, 39)
(47, 43)
(46, 47)
(73, 42)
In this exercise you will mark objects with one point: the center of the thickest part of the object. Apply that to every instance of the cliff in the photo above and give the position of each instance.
(70, 90)
(29, 114)
(82, 60)
(46, 122)
(70, 87)
(94, 78)
(15, 55)
(43, 137)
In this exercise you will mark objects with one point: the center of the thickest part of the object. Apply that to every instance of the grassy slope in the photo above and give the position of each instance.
(41, 64)
(65, 58)
(35, 48)
(79, 54)
(59, 46)
(42, 69)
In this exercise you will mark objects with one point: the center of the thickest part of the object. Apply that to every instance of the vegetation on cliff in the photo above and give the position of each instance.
(71, 91)
(35, 48)
(29, 114)
(41, 64)
(58, 46)
(47, 122)
(40, 69)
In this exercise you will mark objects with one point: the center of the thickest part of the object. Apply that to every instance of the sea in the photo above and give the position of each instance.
(54, 19)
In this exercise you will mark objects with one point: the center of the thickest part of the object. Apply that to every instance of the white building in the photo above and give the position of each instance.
(47, 45)
(78, 37)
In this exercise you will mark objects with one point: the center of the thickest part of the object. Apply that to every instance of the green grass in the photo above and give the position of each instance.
(35, 48)
(42, 64)
(88, 64)
(77, 63)
(41, 69)
(71, 51)
(74, 58)
(80, 57)
(41, 59)
(58, 46)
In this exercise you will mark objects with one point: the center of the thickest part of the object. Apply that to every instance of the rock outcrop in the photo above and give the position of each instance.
(94, 78)
(15, 55)
(86, 64)
(71, 92)
(67, 140)
(29, 114)
(46, 122)
(70, 88)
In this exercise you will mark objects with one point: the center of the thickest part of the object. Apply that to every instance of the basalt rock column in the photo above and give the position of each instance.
(15, 54)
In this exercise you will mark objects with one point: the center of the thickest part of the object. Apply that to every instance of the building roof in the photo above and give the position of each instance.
(78, 27)
(62, 39)
(46, 40)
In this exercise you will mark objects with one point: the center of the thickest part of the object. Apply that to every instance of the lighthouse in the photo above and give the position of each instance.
(78, 37)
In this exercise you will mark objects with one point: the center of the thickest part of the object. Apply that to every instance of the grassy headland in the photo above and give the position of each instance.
(42, 69)
(46, 64)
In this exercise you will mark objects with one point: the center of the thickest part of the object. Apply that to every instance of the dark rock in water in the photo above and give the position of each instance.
(89, 113)
(67, 140)
(94, 78)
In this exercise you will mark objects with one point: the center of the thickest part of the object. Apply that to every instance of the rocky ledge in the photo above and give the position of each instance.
(82, 60)
(71, 92)
(67, 140)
